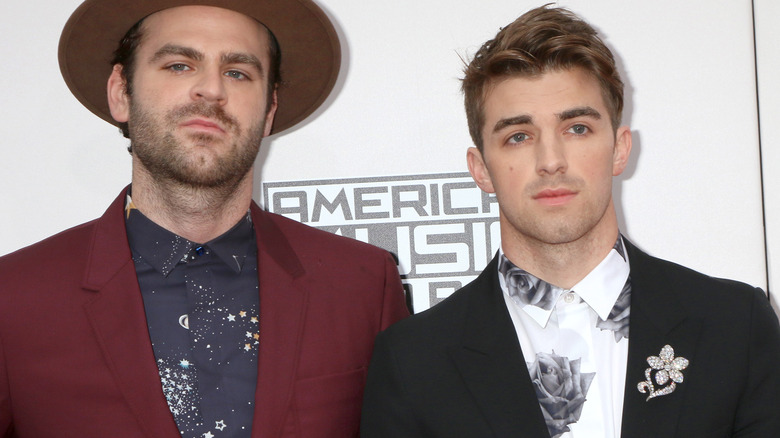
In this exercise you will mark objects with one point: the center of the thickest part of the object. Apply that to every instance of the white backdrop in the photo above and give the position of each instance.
(692, 193)
(767, 15)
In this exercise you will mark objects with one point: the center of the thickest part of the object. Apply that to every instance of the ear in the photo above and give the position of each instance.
(118, 100)
(479, 170)
(622, 150)
(270, 113)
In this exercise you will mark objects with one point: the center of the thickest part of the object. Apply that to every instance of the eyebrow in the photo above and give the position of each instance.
(173, 49)
(584, 111)
(226, 58)
(524, 119)
(512, 121)
(242, 58)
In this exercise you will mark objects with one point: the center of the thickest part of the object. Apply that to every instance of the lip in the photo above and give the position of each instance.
(202, 124)
(554, 197)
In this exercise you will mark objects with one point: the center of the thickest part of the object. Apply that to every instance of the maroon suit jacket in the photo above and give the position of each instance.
(75, 354)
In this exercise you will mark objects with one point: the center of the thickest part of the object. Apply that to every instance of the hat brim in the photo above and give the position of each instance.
(309, 45)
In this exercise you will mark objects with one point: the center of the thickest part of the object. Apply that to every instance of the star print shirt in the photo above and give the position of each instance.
(202, 309)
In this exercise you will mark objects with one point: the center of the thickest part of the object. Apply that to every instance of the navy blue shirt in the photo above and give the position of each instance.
(202, 309)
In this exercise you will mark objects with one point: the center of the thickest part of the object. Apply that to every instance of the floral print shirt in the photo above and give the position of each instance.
(575, 343)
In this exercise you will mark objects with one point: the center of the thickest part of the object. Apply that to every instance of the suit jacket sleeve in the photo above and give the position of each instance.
(758, 413)
(6, 428)
(386, 410)
(394, 306)
(383, 380)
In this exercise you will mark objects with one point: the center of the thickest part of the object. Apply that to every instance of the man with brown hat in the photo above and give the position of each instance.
(185, 310)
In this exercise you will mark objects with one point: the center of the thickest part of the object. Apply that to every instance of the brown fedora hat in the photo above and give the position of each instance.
(311, 54)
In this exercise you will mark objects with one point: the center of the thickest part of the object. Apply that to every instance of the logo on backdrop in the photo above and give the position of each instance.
(441, 228)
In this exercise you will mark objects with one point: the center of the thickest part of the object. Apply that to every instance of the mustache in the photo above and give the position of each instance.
(203, 109)
(558, 181)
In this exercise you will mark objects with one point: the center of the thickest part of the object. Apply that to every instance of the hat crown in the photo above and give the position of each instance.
(308, 42)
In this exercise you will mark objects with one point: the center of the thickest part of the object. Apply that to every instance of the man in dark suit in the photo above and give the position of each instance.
(185, 310)
(571, 331)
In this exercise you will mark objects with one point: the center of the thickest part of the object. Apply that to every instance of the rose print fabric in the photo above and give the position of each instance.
(575, 343)
(526, 289)
(561, 389)
(618, 319)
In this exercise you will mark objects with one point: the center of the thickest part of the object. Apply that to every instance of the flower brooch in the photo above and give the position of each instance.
(668, 369)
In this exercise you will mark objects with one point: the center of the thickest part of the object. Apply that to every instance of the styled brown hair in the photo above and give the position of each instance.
(541, 40)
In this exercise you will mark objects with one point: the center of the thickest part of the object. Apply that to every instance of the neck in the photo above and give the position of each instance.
(563, 264)
(196, 213)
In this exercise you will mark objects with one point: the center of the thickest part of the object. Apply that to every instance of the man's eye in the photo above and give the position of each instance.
(235, 74)
(579, 129)
(178, 67)
(518, 138)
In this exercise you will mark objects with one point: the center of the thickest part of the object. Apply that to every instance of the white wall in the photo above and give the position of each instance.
(692, 193)
(767, 15)
(60, 164)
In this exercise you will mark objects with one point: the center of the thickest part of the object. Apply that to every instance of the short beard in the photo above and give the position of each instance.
(165, 158)
(562, 230)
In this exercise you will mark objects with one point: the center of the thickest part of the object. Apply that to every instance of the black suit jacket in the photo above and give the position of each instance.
(456, 370)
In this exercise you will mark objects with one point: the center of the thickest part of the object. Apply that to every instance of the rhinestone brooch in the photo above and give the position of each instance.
(664, 368)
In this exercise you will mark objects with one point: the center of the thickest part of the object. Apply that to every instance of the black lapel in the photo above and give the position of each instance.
(657, 319)
(492, 364)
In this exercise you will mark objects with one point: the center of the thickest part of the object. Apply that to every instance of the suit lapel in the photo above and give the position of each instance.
(283, 303)
(657, 319)
(492, 365)
(119, 321)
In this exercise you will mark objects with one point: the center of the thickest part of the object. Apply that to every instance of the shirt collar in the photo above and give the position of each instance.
(163, 250)
(602, 286)
(599, 289)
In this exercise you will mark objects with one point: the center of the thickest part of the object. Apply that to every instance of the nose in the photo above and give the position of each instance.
(550, 157)
(210, 86)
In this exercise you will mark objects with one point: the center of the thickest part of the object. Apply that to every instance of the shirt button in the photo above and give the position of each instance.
(569, 298)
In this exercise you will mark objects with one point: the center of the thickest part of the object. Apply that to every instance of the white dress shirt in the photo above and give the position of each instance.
(569, 330)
